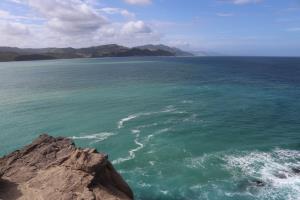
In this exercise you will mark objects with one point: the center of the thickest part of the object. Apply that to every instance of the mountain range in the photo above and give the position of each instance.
(110, 50)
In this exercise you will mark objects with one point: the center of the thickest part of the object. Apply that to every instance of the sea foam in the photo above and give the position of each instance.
(274, 169)
(128, 118)
(168, 109)
(97, 137)
(130, 152)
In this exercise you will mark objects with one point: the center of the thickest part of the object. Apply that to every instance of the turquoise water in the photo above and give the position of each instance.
(175, 128)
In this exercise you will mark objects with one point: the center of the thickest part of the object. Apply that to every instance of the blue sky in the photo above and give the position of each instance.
(226, 27)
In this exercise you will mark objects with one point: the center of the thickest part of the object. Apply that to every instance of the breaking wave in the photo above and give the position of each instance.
(273, 175)
(126, 119)
(168, 109)
(277, 171)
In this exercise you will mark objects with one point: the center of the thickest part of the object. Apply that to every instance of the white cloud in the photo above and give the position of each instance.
(4, 14)
(107, 32)
(72, 23)
(14, 29)
(138, 2)
(120, 11)
(14, 34)
(72, 16)
(135, 27)
(130, 34)
(241, 2)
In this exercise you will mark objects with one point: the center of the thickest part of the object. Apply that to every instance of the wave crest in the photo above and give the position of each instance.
(122, 121)
(97, 137)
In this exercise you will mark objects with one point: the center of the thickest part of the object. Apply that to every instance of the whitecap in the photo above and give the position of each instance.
(97, 137)
(165, 192)
(135, 131)
(131, 152)
(126, 119)
(150, 136)
(168, 109)
(145, 185)
(131, 117)
(196, 187)
(158, 132)
(162, 131)
(152, 163)
(191, 118)
(274, 168)
(199, 161)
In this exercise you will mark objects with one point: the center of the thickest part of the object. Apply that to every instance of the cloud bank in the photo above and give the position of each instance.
(73, 23)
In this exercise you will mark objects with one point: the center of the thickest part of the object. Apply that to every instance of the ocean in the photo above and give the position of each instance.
(212, 128)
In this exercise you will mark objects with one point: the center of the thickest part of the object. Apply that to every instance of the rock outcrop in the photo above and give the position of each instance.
(54, 169)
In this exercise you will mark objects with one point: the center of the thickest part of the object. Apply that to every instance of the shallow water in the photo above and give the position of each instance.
(175, 128)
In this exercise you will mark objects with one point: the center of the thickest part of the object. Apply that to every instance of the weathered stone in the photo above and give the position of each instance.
(53, 168)
(258, 183)
(296, 170)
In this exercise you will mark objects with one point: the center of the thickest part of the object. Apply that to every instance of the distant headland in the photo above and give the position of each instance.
(110, 50)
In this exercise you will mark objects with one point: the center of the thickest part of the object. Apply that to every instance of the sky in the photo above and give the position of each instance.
(221, 27)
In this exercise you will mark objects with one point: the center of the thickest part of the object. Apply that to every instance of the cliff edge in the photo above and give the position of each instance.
(53, 168)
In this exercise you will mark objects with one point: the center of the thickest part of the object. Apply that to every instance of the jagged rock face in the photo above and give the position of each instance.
(53, 168)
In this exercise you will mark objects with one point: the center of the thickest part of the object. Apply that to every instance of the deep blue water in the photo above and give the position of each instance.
(175, 128)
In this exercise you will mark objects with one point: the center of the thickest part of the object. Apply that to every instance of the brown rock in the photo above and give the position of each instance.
(296, 170)
(53, 168)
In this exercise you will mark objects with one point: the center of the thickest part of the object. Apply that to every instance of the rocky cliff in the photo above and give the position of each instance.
(53, 168)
